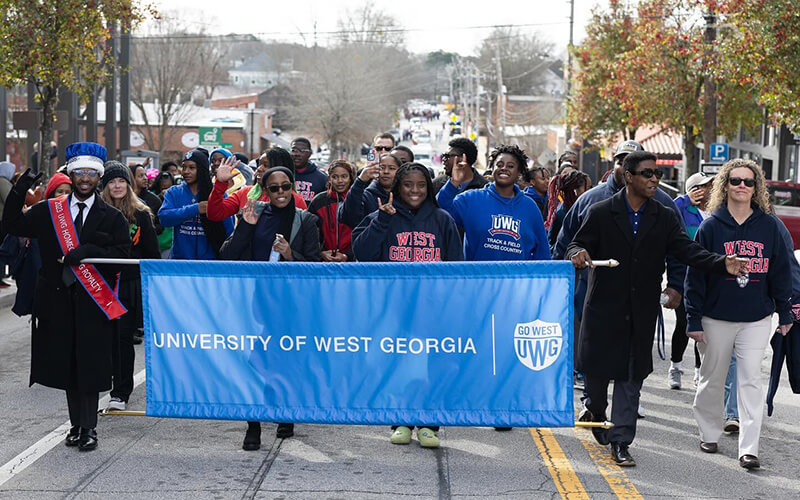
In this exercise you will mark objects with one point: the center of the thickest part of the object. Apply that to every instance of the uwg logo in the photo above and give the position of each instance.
(505, 224)
(537, 343)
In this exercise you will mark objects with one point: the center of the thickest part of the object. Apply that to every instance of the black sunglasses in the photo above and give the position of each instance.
(279, 187)
(383, 148)
(649, 172)
(735, 181)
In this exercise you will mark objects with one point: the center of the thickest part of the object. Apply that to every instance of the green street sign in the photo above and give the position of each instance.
(210, 137)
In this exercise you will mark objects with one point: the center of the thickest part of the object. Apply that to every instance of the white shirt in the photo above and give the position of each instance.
(73, 206)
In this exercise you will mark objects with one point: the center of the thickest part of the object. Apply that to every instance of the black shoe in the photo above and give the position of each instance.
(749, 462)
(73, 437)
(252, 438)
(708, 447)
(621, 455)
(88, 440)
(585, 415)
(502, 429)
(138, 338)
(600, 434)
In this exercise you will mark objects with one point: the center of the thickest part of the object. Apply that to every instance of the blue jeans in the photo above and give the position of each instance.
(731, 408)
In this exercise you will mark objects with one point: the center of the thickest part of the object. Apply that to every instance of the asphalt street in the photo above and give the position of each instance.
(141, 457)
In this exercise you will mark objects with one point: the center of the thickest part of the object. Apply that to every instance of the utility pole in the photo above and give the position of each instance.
(568, 73)
(111, 100)
(501, 100)
(125, 90)
(709, 89)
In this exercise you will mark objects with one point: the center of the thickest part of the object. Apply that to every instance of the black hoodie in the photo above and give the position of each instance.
(361, 201)
(769, 288)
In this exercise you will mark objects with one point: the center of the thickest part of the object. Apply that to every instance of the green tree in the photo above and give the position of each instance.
(761, 50)
(60, 44)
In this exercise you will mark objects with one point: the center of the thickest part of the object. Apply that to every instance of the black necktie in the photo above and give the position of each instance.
(66, 275)
(79, 219)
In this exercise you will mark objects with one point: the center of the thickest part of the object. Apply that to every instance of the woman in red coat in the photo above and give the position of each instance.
(334, 235)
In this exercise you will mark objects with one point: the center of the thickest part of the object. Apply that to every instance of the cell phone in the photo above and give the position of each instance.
(334, 252)
(372, 155)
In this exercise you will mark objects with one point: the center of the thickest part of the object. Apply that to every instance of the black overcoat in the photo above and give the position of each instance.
(622, 303)
(71, 337)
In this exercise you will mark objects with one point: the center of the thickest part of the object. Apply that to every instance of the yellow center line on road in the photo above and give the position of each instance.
(564, 476)
(614, 475)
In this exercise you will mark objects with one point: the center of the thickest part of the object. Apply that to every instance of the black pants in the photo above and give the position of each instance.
(679, 338)
(123, 353)
(624, 406)
(82, 408)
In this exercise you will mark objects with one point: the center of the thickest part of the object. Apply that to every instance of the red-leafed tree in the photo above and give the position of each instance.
(601, 102)
(761, 50)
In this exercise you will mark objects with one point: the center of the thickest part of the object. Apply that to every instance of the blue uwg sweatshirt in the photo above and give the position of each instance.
(496, 228)
(361, 200)
(179, 210)
(718, 296)
(429, 235)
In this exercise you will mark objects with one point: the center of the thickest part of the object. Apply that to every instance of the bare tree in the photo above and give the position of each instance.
(166, 65)
(523, 57)
(353, 88)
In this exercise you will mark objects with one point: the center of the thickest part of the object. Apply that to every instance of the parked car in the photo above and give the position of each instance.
(785, 198)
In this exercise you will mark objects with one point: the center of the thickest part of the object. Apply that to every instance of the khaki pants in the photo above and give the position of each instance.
(748, 341)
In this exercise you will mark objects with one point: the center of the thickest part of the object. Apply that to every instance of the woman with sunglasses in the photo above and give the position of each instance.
(220, 206)
(727, 314)
(273, 231)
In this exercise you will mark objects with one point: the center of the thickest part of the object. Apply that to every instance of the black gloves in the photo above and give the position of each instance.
(27, 180)
(76, 255)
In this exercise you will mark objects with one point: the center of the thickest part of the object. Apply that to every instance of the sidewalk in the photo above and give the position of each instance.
(7, 295)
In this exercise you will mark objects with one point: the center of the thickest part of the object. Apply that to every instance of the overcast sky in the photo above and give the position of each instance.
(453, 26)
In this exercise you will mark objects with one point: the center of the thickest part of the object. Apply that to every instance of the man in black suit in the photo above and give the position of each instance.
(74, 303)
(622, 303)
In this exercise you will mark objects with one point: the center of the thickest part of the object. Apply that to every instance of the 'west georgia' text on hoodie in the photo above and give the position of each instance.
(770, 286)
(429, 235)
(310, 182)
(180, 210)
(496, 228)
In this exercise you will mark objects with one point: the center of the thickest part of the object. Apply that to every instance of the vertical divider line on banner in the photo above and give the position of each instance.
(494, 356)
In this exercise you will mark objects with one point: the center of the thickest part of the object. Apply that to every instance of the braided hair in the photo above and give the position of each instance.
(564, 187)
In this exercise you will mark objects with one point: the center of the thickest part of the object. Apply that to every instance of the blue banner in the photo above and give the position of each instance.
(373, 343)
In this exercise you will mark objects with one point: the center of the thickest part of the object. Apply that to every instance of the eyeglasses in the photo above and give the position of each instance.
(447, 156)
(735, 181)
(301, 151)
(274, 188)
(86, 172)
(647, 173)
(383, 148)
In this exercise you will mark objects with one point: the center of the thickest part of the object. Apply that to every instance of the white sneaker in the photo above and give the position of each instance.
(731, 425)
(115, 404)
(640, 411)
(675, 378)
(696, 379)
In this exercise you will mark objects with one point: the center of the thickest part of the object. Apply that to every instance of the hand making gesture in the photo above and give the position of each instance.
(225, 170)
(388, 207)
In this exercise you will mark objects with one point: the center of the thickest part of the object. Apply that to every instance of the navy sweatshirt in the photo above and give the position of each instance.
(430, 235)
(361, 201)
(496, 228)
(310, 182)
(769, 290)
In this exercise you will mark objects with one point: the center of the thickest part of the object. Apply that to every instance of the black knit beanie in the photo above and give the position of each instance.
(113, 170)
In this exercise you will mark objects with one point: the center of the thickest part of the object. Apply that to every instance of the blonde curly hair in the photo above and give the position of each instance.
(719, 191)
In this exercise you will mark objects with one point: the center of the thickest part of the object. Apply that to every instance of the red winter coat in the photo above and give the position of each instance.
(333, 234)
